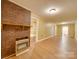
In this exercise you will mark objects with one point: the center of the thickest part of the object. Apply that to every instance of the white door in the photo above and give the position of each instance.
(65, 31)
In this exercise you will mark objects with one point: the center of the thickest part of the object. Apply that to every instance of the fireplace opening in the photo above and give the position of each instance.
(22, 44)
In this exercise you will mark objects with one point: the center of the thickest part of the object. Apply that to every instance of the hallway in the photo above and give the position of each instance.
(52, 48)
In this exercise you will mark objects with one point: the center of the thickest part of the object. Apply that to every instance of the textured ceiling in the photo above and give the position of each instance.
(66, 9)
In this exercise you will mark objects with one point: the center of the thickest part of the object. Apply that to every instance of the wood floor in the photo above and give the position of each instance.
(52, 48)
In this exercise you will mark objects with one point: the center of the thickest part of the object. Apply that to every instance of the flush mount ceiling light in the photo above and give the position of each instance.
(51, 11)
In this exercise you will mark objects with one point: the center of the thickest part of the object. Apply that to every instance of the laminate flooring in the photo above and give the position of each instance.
(51, 48)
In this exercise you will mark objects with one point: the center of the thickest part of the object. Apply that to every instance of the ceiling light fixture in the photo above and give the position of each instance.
(51, 11)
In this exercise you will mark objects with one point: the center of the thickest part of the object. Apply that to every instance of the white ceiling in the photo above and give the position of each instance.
(66, 9)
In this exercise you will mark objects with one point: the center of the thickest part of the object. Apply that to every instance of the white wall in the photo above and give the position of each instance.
(51, 28)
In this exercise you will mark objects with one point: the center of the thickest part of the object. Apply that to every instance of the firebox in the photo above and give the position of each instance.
(22, 44)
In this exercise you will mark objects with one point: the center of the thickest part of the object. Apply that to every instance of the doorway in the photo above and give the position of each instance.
(65, 31)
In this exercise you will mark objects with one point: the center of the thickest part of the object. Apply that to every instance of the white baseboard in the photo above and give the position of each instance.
(44, 38)
(22, 52)
(16, 54)
(8, 56)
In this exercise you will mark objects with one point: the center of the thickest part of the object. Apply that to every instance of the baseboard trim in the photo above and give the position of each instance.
(8, 56)
(44, 39)
(16, 54)
(22, 52)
